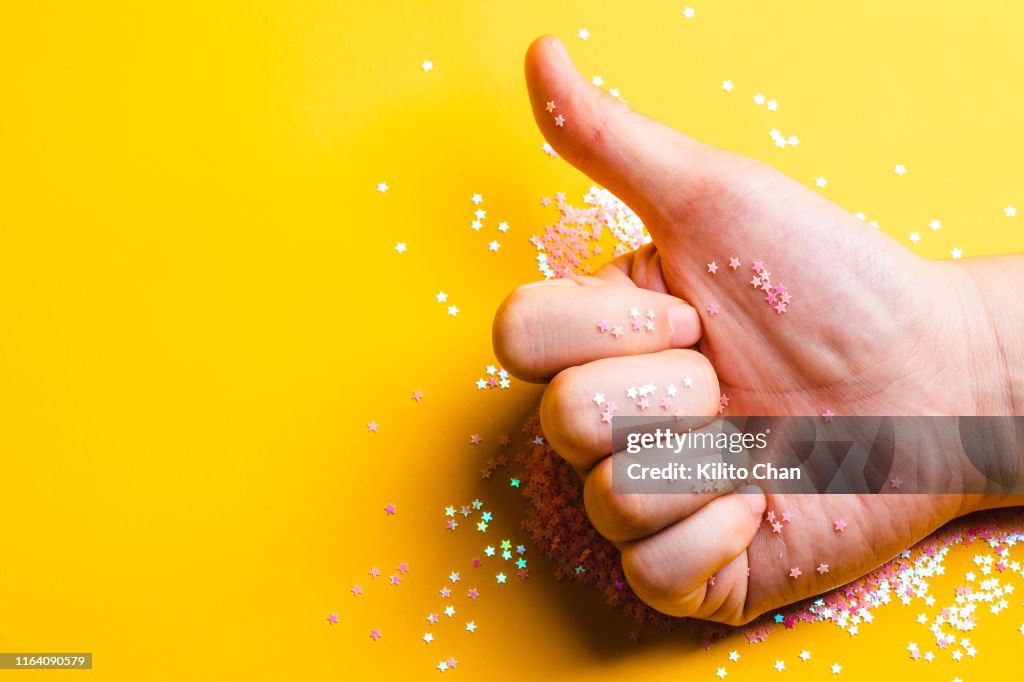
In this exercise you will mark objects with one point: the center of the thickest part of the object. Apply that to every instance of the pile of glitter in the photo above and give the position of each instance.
(557, 522)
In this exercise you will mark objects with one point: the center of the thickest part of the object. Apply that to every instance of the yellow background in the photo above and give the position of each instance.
(201, 306)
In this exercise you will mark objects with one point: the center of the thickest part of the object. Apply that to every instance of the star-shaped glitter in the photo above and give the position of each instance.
(583, 34)
(779, 666)
(734, 656)
(501, 578)
(839, 525)
(382, 187)
(493, 246)
(896, 482)
(727, 86)
(395, 579)
(822, 568)
(475, 439)
(689, 13)
(374, 572)
(1010, 211)
(427, 66)
(956, 252)
(372, 427)
(454, 577)
(828, 415)
(471, 626)
(445, 593)
(820, 181)
(560, 121)
(472, 593)
(603, 326)
(713, 309)
(453, 310)
(356, 590)
(550, 106)
(805, 655)
(721, 673)
(900, 170)
(836, 669)
(389, 509)
(713, 267)
(375, 634)
(442, 666)
(795, 572)
(734, 263)
(332, 619)
(449, 611)
(427, 637)
(787, 517)
(400, 247)
(688, 381)
(417, 395)
(432, 618)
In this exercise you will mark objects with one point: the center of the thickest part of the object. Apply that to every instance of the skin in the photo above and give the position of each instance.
(872, 330)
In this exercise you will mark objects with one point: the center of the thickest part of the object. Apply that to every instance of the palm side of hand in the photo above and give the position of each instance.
(865, 328)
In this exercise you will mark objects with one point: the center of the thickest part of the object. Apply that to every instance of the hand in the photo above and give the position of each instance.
(866, 328)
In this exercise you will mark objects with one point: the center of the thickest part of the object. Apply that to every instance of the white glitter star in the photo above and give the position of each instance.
(688, 12)
(400, 247)
(427, 65)
(820, 181)
(955, 252)
(382, 187)
(900, 170)
(583, 34)
(1010, 211)
(727, 86)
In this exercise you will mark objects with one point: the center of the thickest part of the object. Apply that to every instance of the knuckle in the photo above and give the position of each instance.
(564, 417)
(517, 344)
(617, 516)
(648, 579)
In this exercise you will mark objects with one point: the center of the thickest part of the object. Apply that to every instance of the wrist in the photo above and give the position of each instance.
(992, 330)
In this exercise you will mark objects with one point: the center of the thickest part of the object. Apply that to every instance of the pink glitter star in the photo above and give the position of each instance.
(713, 267)
(472, 594)
(666, 403)
(776, 527)
(896, 483)
(603, 326)
(839, 525)
(755, 282)
(713, 309)
(445, 593)
(758, 266)
(780, 307)
(795, 572)
(476, 562)
(734, 263)
(637, 325)
(395, 579)
(550, 106)
(417, 395)
(787, 516)
(560, 120)
(389, 509)
(372, 427)
(375, 634)
(643, 403)
(606, 417)
(617, 331)
(770, 515)
(822, 568)
(356, 590)
(332, 619)
(432, 618)
(828, 414)
(374, 572)
(451, 525)
(403, 567)
(475, 439)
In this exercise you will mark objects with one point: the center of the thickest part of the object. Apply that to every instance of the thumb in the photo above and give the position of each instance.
(645, 163)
